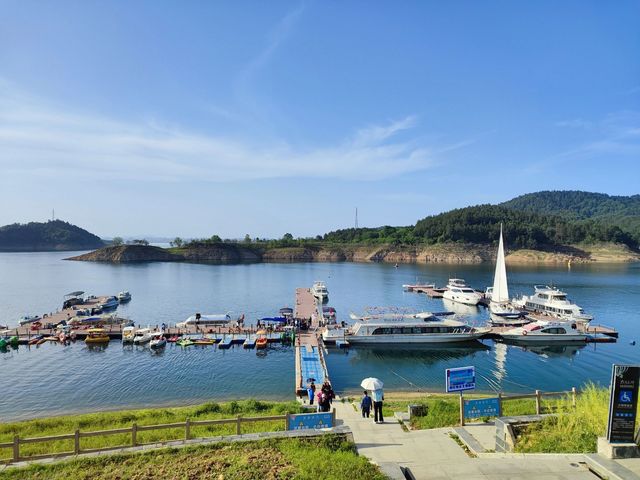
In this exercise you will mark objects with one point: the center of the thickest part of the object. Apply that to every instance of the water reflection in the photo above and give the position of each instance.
(460, 308)
(425, 353)
(550, 350)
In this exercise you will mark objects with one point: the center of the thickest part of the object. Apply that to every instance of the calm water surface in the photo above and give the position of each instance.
(52, 379)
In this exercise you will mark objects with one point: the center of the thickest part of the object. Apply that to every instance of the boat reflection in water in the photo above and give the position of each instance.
(548, 351)
(460, 308)
(423, 353)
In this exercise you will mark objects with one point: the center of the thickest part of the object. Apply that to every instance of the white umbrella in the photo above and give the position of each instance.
(372, 383)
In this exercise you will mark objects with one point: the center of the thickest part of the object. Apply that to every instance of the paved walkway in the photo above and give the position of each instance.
(434, 455)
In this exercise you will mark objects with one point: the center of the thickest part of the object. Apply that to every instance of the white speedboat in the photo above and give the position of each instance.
(142, 336)
(124, 297)
(502, 312)
(128, 334)
(553, 302)
(458, 291)
(319, 290)
(109, 303)
(543, 332)
(27, 319)
(212, 320)
(157, 340)
(421, 328)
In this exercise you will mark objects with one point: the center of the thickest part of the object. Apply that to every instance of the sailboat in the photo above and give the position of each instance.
(501, 310)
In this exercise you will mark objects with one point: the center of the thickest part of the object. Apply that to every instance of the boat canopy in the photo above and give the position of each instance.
(274, 319)
(74, 294)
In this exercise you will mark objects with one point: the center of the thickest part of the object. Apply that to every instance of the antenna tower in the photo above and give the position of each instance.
(356, 217)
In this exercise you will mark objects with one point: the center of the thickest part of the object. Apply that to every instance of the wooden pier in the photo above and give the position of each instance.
(309, 356)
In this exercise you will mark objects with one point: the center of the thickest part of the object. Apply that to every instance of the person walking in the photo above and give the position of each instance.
(311, 391)
(378, 397)
(365, 405)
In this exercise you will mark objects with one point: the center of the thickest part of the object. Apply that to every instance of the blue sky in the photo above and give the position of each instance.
(200, 118)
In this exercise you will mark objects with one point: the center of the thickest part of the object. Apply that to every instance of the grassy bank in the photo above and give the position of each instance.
(327, 457)
(573, 430)
(125, 418)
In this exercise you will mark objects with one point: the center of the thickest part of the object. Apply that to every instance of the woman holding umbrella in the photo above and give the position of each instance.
(377, 395)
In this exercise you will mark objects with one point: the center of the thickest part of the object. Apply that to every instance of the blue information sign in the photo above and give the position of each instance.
(484, 407)
(310, 421)
(461, 379)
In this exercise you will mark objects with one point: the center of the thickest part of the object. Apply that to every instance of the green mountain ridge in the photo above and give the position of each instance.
(46, 236)
(530, 221)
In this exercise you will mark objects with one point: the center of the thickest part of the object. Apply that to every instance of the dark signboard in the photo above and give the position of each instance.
(623, 403)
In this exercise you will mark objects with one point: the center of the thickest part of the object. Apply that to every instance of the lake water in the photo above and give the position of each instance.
(52, 379)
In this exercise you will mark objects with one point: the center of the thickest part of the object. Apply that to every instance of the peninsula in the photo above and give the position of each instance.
(543, 227)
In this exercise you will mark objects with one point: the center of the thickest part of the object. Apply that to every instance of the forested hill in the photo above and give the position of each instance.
(527, 224)
(577, 205)
(51, 235)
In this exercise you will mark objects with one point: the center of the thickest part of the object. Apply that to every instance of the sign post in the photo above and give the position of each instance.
(458, 380)
(623, 406)
(623, 403)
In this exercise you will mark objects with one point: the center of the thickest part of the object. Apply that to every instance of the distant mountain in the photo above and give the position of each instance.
(47, 236)
(620, 211)
(534, 221)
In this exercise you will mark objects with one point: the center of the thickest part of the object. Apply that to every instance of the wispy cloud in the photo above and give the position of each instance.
(40, 139)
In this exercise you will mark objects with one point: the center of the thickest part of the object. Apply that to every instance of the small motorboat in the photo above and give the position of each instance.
(184, 342)
(97, 335)
(174, 338)
(128, 334)
(157, 340)
(34, 340)
(142, 336)
(110, 303)
(124, 297)
(204, 341)
(261, 339)
(29, 319)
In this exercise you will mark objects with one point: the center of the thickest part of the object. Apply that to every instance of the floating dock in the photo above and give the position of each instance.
(309, 348)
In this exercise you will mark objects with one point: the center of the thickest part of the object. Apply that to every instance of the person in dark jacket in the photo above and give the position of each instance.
(365, 405)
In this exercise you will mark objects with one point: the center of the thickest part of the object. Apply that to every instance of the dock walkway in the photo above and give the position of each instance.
(309, 348)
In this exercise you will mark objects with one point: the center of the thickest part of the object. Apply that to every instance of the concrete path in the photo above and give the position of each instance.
(434, 455)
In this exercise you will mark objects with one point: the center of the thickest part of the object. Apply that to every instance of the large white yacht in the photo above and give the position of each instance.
(458, 291)
(553, 302)
(423, 327)
(319, 290)
(544, 332)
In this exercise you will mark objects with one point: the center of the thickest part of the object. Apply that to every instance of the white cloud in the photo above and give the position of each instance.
(39, 139)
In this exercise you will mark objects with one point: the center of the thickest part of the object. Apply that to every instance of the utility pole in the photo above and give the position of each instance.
(53, 214)
(356, 217)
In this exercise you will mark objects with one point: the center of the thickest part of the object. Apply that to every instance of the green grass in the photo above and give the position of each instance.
(573, 430)
(123, 419)
(444, 410)
(325, 457)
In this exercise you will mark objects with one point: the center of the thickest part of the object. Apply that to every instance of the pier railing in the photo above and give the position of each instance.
(539, 395)
(132, 432)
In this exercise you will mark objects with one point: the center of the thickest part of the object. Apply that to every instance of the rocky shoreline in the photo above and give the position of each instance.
(231, 253)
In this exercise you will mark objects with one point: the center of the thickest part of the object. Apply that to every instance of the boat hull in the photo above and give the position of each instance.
(472, 300)
(545, 339)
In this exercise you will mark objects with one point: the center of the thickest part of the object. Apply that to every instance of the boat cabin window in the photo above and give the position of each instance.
(543, 295)
(559, 297)
(467, 290)
(414, 330)
(554, 331)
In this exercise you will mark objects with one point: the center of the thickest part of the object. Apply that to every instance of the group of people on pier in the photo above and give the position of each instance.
(324, 397)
